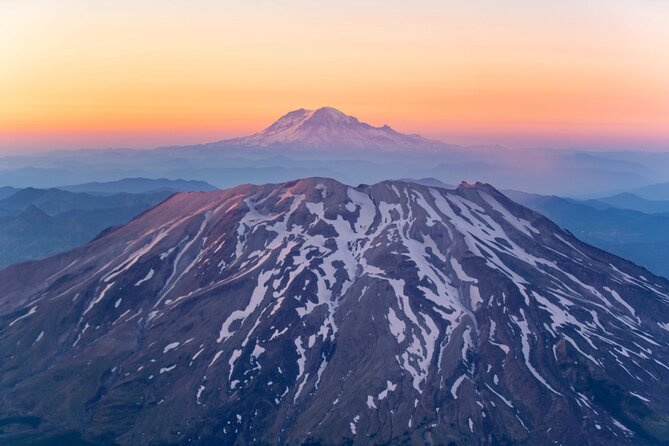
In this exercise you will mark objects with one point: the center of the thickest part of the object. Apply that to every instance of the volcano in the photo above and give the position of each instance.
(330, 129)
(312, 312)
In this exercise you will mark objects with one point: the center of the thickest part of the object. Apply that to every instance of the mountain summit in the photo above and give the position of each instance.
(311, 312)
(329, 128)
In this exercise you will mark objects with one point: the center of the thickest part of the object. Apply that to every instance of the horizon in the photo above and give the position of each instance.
(187, 140)
(570, 76)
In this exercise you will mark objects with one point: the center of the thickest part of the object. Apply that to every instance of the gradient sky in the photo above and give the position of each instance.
(100, 73)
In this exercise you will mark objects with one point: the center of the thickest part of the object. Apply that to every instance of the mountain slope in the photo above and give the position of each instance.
(312, 312)
(6, 191)
(329, 128)
(640, 237)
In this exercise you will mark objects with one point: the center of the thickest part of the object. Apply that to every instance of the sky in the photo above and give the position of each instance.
(522, 73)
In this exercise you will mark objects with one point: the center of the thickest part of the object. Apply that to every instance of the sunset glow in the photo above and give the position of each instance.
(99, 74)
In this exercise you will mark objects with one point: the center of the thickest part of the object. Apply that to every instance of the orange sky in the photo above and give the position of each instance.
(94, 73)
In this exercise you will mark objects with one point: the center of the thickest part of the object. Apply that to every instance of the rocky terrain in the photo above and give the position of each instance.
(312, 312)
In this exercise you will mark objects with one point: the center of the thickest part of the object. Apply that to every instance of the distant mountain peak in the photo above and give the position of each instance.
(330, 128)
(331, 111)
(324, 118)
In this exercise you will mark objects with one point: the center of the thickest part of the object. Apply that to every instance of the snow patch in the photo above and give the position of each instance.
(390, 387)
(456, 386)
(167, 369)
(169, 347)
(146, 278)
(30, 312)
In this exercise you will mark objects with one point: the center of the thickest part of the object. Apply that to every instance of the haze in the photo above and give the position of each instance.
(591, 75)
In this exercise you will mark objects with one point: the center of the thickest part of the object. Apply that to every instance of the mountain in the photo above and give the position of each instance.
(631, 201)
(640, 237)
(659, 191)
(56, 201)
(38, 223)
(6, 191)
(33, 234)
(311, 312)
(329, 128)
(140, 186)
(25, 237)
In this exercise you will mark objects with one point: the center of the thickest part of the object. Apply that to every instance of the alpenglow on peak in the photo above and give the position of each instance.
(330, 128)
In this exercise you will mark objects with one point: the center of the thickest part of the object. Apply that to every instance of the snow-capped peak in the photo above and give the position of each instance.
(296, 119)
(329, 128)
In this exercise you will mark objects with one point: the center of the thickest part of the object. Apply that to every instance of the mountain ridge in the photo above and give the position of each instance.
(138, 185)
